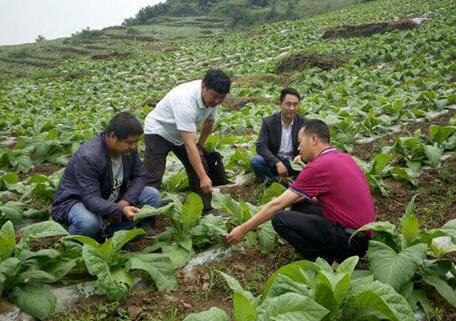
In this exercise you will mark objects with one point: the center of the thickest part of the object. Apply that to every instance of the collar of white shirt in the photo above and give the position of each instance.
(284, 125)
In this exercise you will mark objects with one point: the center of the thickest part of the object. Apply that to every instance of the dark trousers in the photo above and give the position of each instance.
(312, 235)
(264, 171)
(157, 148)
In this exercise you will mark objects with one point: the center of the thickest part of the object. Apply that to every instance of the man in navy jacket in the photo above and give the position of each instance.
(277, 144)
(104, 181)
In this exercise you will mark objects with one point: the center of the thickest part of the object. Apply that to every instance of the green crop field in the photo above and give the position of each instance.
(389, 98)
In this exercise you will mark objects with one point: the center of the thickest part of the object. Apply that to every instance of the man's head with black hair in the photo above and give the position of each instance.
(314, 137)
(289, 104)
(123, 133)
(216, 85)
(289, 91)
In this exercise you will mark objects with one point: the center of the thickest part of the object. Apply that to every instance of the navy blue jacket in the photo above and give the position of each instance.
(88, 179)
(270, 137)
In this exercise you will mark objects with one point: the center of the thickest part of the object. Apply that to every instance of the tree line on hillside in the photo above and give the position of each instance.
(239, 12)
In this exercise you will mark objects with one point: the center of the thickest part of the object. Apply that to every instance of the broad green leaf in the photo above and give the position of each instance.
(108, 252)
(43, 191)
(267, 237)
(95, 262)
(83, 240)
(380, 162)
(178, 255)
(409, 223)
(395, 268)
(38, 179)
(12, 211)
(243, 308)
(324, 293)
(439, 267)
(283, 284)
(292, 307)
(44, 254)
(120, 238)
(439, 134)
(213, 314)
(122, 276)
(61, 268)
(271, 192)
(324, 265)
(404, 174)
(10, 181)
(385, 232)
(301, 272)
(209, 230)
(8, 269)
(433, 154)
(7, 240)
(149, 211)
(36, 301)
(442, 287)
(43, 229)
(376, 298)
(240, 211)
(232, 282)
(191, 211)
(348, 265)
(36, 276)
(244, 213)
(158, 266)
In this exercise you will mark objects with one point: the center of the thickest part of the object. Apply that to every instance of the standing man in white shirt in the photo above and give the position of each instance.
(277, 143)
(172, 126)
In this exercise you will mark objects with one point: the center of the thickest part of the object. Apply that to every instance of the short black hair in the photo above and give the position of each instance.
(319, 128)
(218, 81)
(124, 125)
(289, 91)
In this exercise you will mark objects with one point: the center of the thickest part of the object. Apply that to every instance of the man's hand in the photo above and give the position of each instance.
(235, 236)
(130, 211)
(123, 203)
(282, 171)
(297, 159)
(206, 184)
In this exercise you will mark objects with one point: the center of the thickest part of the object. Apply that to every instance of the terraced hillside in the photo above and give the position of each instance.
(382, 74)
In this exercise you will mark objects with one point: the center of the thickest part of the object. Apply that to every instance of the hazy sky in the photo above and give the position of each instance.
(22, 20)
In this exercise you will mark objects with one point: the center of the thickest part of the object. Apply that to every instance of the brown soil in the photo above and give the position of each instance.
(45, 169)
(304, 60)
(111, 55)
(249, 192)
(366, 30)
(203, 288)
(9, 142)
(232, 103)
(366, 151)
(436, 203)
(44, 243)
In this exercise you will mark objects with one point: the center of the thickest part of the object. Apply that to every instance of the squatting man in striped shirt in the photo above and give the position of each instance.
(329, 200)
